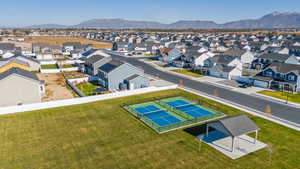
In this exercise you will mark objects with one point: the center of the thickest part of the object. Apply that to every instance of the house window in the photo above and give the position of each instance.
(269, 73)
(291, 78)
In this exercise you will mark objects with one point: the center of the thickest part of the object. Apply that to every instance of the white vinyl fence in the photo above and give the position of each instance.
(71, 69)
(82, 100)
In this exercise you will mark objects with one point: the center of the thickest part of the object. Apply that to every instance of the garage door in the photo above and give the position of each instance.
(259, 83)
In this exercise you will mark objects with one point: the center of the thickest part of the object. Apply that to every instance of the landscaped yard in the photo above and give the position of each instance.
(68, 66)
(188, 72)
(87, 88)
(49, 66)
(104, 135)
(74, 75)
(282, 95)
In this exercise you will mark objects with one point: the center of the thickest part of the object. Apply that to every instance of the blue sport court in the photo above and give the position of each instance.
(172, 113)
(158, 116)
(188, 108)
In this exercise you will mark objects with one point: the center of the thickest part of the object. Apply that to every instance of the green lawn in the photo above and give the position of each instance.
(50, 66)
(280, 95)
(104, 135)
(187, 72)
(67, 66)
(87, 88)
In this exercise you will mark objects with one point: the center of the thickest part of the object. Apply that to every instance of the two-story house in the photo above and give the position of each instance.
(279, 76)
(117, 75)
(224, 66)
(168, 54)
(266, 59)
(93, 63)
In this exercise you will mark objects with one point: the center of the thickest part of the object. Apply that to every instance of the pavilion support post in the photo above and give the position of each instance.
(256, 135)
(232, 146)
(207, 129)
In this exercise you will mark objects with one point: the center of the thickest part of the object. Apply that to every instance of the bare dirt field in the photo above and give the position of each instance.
(56, 87)
(61, 40)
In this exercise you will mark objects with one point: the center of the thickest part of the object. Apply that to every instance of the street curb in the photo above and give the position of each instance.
(272, 118)
(278, 100)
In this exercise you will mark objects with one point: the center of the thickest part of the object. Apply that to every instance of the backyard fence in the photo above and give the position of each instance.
(82, 100)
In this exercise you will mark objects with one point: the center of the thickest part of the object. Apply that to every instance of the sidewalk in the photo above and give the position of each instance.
(297, 105)
(249, 110)
(214, 81)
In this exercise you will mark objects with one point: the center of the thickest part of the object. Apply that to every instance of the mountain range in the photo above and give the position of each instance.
(270, 21)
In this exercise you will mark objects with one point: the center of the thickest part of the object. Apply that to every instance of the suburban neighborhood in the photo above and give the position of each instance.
(118, 93)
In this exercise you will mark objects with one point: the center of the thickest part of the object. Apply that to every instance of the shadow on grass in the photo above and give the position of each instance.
(196, 130)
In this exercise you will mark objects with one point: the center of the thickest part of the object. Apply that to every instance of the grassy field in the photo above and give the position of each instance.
(104, 135)
(87, 88)
(61, 40)
(187, 72)
(50, 66)
(280, 95)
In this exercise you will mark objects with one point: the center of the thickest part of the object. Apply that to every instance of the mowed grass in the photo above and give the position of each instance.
(282, 95)
(49, 66)
(87, 88)
(61, 40)
(187, 72)
(104, 135)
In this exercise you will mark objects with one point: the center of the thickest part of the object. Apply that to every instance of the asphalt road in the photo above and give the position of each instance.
(280, 110)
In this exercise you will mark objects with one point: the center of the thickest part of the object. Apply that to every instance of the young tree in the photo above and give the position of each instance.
(268, 109)
(216, 93)
(181, 83)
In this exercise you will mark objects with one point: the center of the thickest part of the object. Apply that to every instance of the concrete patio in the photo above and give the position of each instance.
(222, 142)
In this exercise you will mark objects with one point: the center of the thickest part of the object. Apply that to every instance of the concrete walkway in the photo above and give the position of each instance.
(243, 144)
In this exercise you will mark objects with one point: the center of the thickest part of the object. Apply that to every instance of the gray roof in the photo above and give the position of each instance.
(275, 56)
(132, 77)
(285, 67)
(89, 52)
(225, 68)
(222, 59)
(237, 125)
(13, 59)
(19, 71)
(29, 58)
(110, 66)
(7, 46)
(235, 52)
(93, 59)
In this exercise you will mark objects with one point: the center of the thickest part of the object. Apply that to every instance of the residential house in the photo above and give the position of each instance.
(44, 51)
(124, 47)
(117, 75)
(6, 64)
(279, 76)
(266, 59)
(93, 63)
(168, 54)
(224, 66)
(294, 50)
(8, 50)
(34, 65)
(18, 86)
(92, 52)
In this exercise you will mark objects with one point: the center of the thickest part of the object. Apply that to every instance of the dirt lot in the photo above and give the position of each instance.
(61, 40)
(56, 87)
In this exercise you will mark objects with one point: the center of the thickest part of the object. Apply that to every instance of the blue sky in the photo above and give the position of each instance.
(68, 12)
